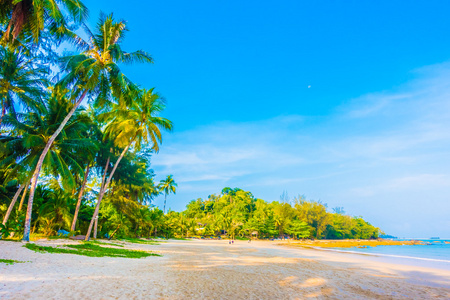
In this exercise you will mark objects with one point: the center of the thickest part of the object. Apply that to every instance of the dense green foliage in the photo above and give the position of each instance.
(237, 213)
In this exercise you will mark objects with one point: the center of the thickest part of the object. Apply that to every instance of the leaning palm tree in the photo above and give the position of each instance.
(167, 186)
(22, 81)
(33, 16)
(133, 126)
(96, 72)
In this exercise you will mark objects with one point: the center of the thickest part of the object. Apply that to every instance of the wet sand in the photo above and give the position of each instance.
(212, 269)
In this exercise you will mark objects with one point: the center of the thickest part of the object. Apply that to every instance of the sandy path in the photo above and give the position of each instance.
(215, 270)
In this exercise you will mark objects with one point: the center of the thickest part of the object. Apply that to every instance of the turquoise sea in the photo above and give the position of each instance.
(435, 252)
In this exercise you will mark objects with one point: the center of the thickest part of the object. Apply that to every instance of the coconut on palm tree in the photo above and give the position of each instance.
(167, 186)
(96, 72)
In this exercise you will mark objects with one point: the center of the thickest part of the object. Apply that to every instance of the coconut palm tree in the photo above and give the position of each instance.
(132, 126)
(33, 17)
(96, 72)
(22, 81)
(168, 186)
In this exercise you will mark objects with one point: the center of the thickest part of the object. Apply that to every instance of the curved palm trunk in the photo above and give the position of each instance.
(102, 186)
(23, 196)
(102, 191)
(114, 232)
(80, 196)
(13, 201)
(26, 233)
(95, 228)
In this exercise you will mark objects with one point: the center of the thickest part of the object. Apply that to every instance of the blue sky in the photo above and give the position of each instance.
(343, 102)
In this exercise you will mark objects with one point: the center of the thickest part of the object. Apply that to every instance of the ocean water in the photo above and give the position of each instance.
(435, 251)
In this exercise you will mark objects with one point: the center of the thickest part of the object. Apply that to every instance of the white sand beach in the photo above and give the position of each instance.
(213, 269)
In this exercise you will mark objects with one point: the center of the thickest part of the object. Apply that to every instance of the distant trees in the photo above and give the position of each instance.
(237, 213)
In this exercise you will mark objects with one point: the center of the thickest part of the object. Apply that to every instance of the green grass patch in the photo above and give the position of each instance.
(140, 241)
(240, 238)
(92, 250)
(11, 240)
(10, 261)
(103, 243)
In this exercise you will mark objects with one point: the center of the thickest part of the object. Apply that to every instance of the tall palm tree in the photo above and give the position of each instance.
(33, 16)
(94, 71)
(21, 81)
(168, 186)
(131, 126)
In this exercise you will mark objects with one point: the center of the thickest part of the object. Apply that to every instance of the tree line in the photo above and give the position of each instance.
(237, 213)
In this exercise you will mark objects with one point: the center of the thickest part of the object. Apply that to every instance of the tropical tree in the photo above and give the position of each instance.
(22, 81)
(298, 229)
(167, 186)
(132, 126)
(33, 17)
(96, 72)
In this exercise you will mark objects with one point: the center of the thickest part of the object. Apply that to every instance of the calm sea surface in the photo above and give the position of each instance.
(434, 251)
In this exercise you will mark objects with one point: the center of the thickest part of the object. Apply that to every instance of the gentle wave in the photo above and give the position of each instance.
(380, 254)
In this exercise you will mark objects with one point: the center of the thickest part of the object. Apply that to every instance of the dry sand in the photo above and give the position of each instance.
(205, 269)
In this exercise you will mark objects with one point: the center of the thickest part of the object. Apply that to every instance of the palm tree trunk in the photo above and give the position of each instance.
(102, 191)
(23, 196)
(104, 173)
(114, 232)
(26, 233)
(165, 198)
(80, 196)
(11, 205)
(95, 228)
(102, 186)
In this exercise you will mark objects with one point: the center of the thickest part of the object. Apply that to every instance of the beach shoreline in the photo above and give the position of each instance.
(215, 269)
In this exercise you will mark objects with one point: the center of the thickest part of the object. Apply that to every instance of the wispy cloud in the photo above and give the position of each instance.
(373, 152)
